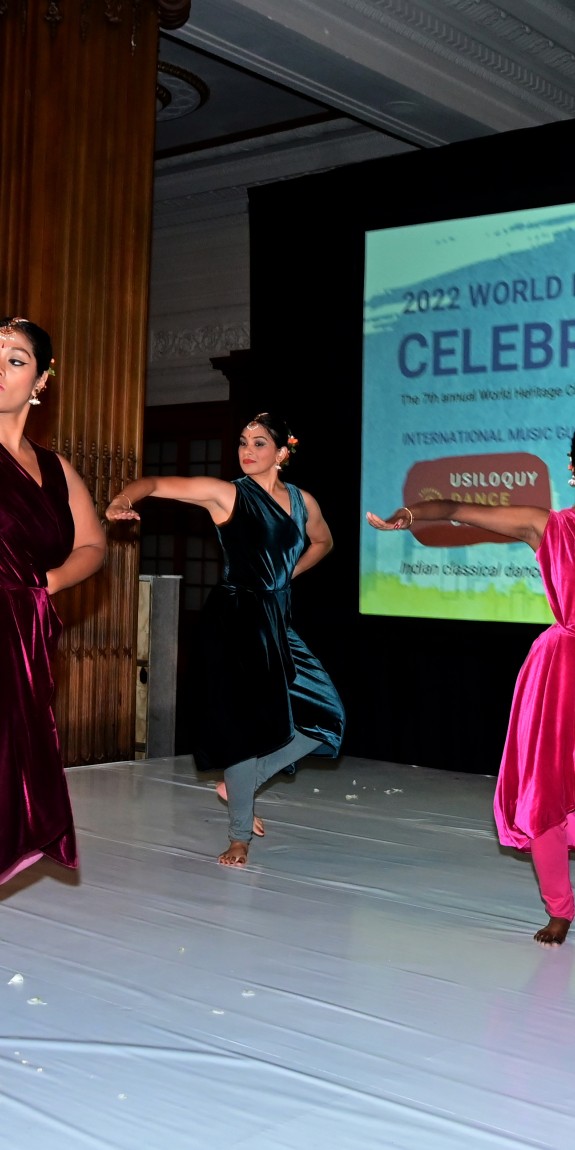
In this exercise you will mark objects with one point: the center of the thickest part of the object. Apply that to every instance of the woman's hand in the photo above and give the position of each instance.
(120, 508)
(401, 520)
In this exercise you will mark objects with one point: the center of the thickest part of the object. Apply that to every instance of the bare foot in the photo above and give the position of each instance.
(236, 855)
(554, 933)
(258, 827)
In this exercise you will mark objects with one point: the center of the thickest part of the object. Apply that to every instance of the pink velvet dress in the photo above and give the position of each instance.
(536, 785)
(36, 534)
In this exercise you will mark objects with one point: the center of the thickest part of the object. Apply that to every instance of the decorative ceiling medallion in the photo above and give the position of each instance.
(187, 92)
(163, 97)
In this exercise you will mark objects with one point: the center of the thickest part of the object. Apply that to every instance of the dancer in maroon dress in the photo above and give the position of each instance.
(535, 795)
(50, 538)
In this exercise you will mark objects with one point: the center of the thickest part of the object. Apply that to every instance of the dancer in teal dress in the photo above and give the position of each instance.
(263, 700)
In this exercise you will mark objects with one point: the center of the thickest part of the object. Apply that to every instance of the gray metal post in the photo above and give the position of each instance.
(157, 657)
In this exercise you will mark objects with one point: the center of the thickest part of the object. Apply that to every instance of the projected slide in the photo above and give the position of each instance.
(469, 395)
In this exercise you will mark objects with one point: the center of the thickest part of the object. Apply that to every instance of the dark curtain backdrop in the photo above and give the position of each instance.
(426, 692)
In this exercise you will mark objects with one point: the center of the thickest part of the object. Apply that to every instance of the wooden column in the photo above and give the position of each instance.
(77, 117)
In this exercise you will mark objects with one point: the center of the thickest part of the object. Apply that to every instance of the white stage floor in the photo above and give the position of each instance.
(367, 983)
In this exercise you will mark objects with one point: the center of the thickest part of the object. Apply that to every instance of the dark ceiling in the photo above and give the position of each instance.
(212, 102)
(425, 72)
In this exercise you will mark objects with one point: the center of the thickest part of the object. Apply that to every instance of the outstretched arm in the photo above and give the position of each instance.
(216, 495)
(319, 535)
(524, 523)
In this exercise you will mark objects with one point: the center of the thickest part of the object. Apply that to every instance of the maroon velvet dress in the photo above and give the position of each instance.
(536, 784)
(36, 534)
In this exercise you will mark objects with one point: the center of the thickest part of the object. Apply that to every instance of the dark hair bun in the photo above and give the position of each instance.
(276, 426)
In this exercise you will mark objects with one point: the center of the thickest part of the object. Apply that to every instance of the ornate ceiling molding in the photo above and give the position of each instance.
(364, 57)
(495, 54)
(210, 338)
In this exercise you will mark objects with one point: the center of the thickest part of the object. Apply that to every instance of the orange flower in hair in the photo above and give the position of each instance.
(292, 443)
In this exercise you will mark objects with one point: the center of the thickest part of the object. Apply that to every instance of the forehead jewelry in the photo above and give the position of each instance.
(9, 328)
(252, 426)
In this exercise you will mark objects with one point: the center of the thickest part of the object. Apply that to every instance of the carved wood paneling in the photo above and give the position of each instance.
(77, 116)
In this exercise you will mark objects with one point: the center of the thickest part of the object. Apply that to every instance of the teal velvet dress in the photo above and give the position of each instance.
(257, 682)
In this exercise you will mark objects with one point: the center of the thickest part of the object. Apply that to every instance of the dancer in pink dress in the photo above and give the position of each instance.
(535, 794)
(50, 538)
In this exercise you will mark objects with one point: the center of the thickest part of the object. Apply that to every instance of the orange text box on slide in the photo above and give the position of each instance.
(498, 480)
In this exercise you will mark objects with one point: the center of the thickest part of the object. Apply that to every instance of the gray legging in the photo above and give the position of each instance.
(244, 779)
